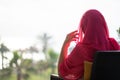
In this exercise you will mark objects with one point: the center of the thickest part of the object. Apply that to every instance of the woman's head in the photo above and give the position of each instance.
(93, 28)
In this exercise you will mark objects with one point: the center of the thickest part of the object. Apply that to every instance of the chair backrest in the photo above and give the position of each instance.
(87, 70)
(106, 66)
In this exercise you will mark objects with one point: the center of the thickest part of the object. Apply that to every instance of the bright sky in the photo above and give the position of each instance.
(21, 21)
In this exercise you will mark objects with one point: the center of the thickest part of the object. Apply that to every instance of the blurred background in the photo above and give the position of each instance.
(32, 33)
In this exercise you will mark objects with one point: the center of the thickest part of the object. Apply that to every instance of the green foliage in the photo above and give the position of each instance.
(25, 76)
(11, 77)
(3, 48)
(27, 69)
(26, 63)
(45, 75)
(5, 72)
(14, 59)
(118, 30)
(53, 55)
(41, 66)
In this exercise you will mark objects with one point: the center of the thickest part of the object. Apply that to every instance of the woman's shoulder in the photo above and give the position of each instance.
(114, 43)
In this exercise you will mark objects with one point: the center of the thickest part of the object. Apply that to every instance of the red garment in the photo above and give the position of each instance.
(94, 36)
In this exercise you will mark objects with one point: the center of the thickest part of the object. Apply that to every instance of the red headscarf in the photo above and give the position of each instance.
(93, 30)
(94, 36)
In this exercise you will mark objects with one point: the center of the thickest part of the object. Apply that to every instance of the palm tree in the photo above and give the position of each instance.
(45, 38)
(14, 60)
(3, 49)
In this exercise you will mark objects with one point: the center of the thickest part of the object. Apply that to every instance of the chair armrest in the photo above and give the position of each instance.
(87, 70)
(55, 77)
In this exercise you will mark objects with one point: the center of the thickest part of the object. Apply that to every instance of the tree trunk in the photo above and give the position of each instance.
(19, 76)
(19, 73)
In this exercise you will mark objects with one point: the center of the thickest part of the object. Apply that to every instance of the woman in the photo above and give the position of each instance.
(91, 36)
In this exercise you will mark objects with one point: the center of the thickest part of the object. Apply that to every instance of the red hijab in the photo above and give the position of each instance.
(94, 36)
(93, 30)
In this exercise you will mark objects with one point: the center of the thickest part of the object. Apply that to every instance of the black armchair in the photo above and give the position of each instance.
(106, 66)
(55, 77)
